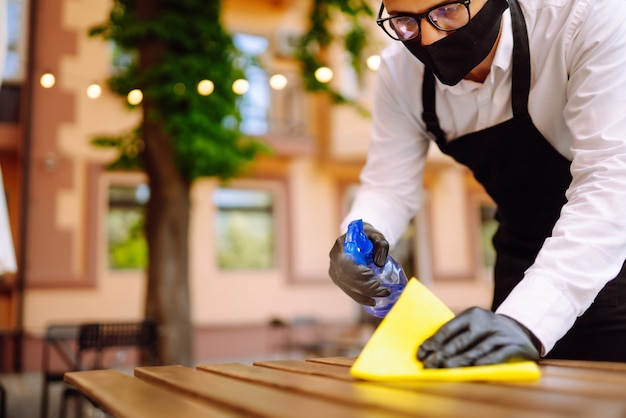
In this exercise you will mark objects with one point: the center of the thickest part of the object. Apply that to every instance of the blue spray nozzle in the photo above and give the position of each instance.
(357, 244)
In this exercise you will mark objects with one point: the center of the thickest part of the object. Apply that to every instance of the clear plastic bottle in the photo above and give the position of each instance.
(391, 275)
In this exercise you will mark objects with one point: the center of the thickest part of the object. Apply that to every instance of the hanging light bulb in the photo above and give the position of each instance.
(94, 91)
(205, 87)
(278, 81)
(241, 86)
(47, 80)
(323, 74)
(373, 62)
(135, 97)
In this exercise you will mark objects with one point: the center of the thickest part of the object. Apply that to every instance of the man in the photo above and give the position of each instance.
(531, 96)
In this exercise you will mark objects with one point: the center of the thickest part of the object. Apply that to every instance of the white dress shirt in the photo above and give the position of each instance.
(577, 101)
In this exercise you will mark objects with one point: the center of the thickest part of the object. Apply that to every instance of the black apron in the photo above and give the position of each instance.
(527, 178)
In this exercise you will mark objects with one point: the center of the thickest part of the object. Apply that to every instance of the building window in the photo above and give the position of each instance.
(254, 105)
(121, 59)
(275, 104)
(15, 62)
(12, 73)
(127, 247)
(245, 228)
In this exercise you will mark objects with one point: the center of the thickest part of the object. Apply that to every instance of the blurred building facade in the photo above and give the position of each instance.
(62, 201)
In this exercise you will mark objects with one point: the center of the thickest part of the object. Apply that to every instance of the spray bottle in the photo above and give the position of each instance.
(391, 275)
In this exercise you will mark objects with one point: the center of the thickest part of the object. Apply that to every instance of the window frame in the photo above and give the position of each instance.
(290, 130)
(107, 179)
(278, 188)
(22, 43)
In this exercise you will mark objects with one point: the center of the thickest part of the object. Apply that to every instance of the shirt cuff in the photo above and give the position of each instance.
(542, 308)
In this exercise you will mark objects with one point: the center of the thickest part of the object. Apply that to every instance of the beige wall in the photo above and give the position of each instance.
(299, 287)
(309, 206)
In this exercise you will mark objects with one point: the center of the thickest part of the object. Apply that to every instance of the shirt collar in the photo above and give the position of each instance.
(504, 53)
(502, 59)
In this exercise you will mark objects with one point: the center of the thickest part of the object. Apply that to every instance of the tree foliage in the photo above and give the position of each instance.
(183, 135)
(204, 129)
(172, 45)
(319, 37)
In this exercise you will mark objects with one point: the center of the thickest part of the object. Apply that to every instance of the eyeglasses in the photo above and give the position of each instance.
(446, 17)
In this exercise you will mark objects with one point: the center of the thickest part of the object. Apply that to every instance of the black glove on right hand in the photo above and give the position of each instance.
(356, 280)
(478, 337)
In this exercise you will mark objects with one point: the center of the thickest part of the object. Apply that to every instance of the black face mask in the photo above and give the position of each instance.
(453, 57)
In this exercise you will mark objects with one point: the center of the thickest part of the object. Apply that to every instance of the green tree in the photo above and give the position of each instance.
(183, 135)
(313, 46)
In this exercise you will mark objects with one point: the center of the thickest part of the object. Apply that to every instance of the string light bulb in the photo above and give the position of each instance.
(134, 97)
(278, 81)
(323, 74)
(373, 62)
(205, 87)
(47, 80)
(94, 91)
(241, 86)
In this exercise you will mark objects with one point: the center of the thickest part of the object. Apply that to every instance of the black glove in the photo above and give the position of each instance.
(356, 280)
(478, 337)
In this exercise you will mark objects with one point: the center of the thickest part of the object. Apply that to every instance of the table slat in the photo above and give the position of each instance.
(572, 397)
(309, 367)
(323, 387)
(578, 387)
(257, 400)
(583, 379)
(449, 400)
(124, 396)
(587, 365)
(589, 375)
(335, 361)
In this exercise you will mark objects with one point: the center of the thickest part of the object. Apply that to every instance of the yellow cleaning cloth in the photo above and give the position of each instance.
(390, 354)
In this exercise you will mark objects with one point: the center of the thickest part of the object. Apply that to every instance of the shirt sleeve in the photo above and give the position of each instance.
(588, 243)
(391, 180)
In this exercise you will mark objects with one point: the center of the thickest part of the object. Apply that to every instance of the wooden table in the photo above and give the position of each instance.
(323, 388)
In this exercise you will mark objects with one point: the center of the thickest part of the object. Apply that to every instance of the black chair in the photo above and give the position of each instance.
(92, 341)
(57, 345)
